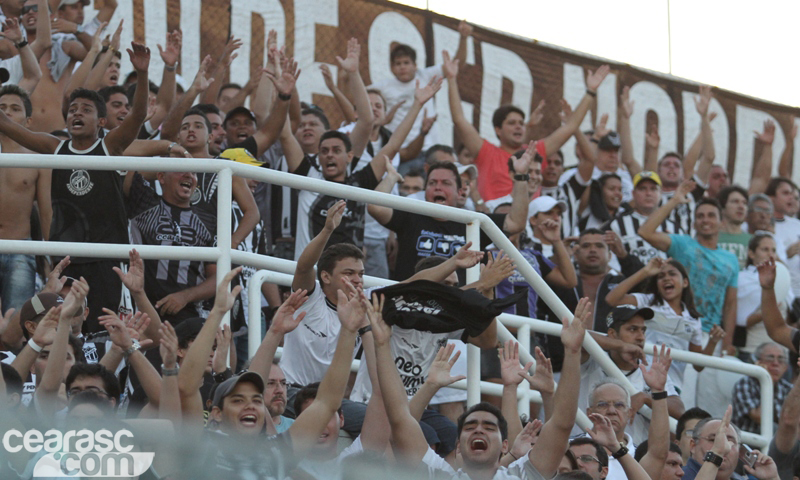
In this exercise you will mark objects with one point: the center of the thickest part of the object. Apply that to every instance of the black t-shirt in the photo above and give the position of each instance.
(419, 237)
(88, 205)
(156, 222)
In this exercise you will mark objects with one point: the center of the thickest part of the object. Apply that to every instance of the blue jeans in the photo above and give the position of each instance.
(17, 279)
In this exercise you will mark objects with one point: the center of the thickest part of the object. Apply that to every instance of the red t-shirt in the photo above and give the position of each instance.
(492, 164)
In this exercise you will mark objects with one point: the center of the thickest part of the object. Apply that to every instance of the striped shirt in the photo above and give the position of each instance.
(627, 227)
(570, 193)
(683, 215)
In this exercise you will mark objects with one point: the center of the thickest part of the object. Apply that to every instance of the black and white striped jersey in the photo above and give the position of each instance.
(683, 215)
(570, 193)
(627, 227)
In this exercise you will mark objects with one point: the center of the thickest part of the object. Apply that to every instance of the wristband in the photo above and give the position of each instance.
(623, 450)
(20, 45)
(515, 457)
(480, 202)
(222, 376)
(132, 349)
(169, 372)
(171, 68)
(363, 330)
(285, 96)
(658, 395)
(34, 346)
(713, 458)
(521, 177)
(171, 146)
(591, 93)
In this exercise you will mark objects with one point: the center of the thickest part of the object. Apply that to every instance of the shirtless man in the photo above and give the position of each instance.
(19, 188)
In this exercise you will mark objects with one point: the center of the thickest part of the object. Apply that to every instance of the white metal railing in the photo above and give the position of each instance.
(223, 255)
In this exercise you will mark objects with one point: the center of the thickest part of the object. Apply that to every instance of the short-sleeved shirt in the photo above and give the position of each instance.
(627, 227)
(156, 222)
(784, 461)
(788, 230)
(521, 469)
(624, 175)
(736, 243)
(420, 237)
(683, 214)
(526, 307)
(675, 331)
(747, 396)
(492, 164)
(312, 210)
(711, 273)
(330, 469)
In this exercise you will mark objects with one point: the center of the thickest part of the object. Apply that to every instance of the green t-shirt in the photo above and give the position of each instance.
(736, 243)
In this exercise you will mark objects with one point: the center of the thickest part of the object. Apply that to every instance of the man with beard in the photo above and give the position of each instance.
(275, 396)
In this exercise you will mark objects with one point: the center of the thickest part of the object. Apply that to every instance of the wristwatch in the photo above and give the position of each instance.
(659, 395)
(134, 347)
(623, 450)
(713, 458)
(522, 177)
(223, 375)
(363, 330)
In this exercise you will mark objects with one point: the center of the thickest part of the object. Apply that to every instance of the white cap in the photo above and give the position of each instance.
(473, 171)
(544, 203)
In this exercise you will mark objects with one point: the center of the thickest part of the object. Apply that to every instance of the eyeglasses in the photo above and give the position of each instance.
(587, 459)
(30, 8)
(607, 405)
(773, 358)
(711, 439)
(761, 210)
(74, 391)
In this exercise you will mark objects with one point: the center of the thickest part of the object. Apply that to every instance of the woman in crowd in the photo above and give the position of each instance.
(676, 322)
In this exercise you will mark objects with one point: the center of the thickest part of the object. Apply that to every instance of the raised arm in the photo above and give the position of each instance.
(438, 378)
(118, 139)
(464, 258)
(421, 96)
(517, 218)
(35, 141)
(304, 275)
(702, 102)
(651, 143)
(358, 92)
(661, 240)
(262, 99)
(166, 91)
(347, 109)
(220, 70)
(169, 403)
(786, 435)
(546, 456)
(44, 40)
(777, 329)
(305, 431)
(603, 433)
(624, 127)
(555, 140)
(414, 148)
(619, 295)
(251, 216)
(80, 76)
(512, 374)
(658, 447)
(291, 147)
(283, 322)
(133, 280)
(564, 274)
(172, 124)
(763, 168)
(466, 131)
(31, 73)
(785, 165)
(284, 85)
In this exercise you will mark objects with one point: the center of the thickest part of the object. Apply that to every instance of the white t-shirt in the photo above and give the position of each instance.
(521, 469)
(624, 175)
(673, 330)
(592, 373)
(332, 468)
(748, 300)
(395, 91)
(788, 230)
(308, 350)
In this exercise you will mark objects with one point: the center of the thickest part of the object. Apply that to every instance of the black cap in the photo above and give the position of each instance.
(610, 141)
(621, 314)
(225, 388)
(237, 111)
(4, 75)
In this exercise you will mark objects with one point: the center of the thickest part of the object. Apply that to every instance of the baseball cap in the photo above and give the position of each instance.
(239, 111)
(610, 141)
(544, 203)
(473, 171)
(646, 175)
(71, 2)
(4, 75)
(225, 388)
(621, 314)
(37, 306)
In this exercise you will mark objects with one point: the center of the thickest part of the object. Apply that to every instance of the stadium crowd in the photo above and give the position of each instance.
(659, 250)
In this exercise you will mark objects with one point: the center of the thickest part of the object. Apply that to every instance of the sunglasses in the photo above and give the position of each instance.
(30, 8)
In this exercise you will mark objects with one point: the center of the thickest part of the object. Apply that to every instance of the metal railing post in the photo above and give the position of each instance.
(254, 332)
(523, 393)
(473, 352)
(224, 224)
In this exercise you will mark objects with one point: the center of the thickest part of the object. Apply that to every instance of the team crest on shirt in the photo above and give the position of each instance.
(80, 183)
(196, 196)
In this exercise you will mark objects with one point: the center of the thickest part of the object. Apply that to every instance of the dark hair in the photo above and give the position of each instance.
(502, 424)
(348, 145)
(77, 348)
(11, 89)
(641, 450)
(573, 462)
(518, 154)
(606, 177)
(12, 378)
(446, 166)
(573, 475)
(694, 413)
(88, 397)
(151, 86)
(197, 111)
(187, 330)
(687, 296)
(600, 451)
(317, 112)
(775, 183)
(415, 172)
(106, 92)
(590, 231)
(725, 193)
(103, 50)
(429, 262)
(208, 108)
(499, 116)
(228, 85)
(708, 201)
(670, 154)
(333, 254)
(110, 382)
(754, 242)
(430, 158)
(309, 392)
(93, 96)
(403, 50)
